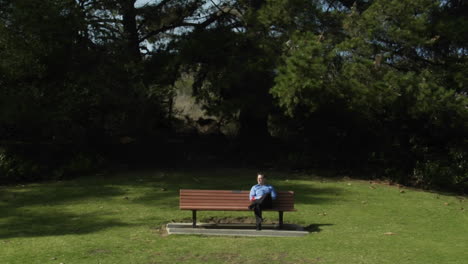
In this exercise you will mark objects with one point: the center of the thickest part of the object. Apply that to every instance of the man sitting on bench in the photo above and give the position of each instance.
(261, 196)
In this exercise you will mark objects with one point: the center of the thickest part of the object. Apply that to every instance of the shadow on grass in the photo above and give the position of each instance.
(249, 223)
(306, 194)
(55, 194)
(32, 210)
(34, 224)
(315, 228)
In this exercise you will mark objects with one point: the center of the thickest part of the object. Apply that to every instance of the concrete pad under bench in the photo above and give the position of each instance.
(235, 230)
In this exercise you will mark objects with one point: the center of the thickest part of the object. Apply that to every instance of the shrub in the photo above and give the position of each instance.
(14, 168)
(444, 171)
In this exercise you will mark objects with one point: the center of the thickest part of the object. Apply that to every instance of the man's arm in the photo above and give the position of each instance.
(252, 193)
(273, 192)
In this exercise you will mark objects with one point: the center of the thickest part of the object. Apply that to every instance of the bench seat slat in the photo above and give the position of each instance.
(214, 197)
(232, 208)
(240, 207)
(243, 199)
(243, 203)
(229, 200)
(240, 199)
(207, 192)
(197, 191)
(230, 196)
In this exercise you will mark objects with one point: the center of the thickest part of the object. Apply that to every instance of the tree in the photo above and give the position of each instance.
(233, 60)
(389, 68)
(75, 76)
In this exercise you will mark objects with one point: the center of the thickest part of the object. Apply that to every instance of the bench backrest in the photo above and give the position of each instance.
(224, 200)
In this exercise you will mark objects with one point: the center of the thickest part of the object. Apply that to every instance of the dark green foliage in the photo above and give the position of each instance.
(70, 91)
(234, 61)
(390, 92)
(379, 86)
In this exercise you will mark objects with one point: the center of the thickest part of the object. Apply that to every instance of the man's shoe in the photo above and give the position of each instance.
(259, 227)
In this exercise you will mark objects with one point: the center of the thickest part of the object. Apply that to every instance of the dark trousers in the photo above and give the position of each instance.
(258, 205)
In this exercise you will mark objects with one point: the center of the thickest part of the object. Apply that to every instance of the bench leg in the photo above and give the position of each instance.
(194, 218)
(280, 219)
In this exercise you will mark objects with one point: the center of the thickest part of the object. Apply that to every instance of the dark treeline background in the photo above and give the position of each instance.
(377, 88)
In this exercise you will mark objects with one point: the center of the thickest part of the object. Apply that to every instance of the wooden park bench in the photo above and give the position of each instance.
(223, 200)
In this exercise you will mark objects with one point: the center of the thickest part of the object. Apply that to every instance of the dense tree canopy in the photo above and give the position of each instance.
(377, 84)
(389, 73)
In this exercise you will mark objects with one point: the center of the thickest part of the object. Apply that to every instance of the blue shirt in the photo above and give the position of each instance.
(258, 191)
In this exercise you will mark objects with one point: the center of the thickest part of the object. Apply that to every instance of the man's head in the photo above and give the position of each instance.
(261, 178)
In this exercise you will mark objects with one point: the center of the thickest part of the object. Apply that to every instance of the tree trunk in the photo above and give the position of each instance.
(131, 30)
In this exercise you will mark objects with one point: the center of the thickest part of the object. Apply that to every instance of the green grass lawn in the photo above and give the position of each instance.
(119, 218)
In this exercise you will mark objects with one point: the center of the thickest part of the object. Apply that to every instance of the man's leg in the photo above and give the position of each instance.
(267, 202)
(258, 205)
(258, 216)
